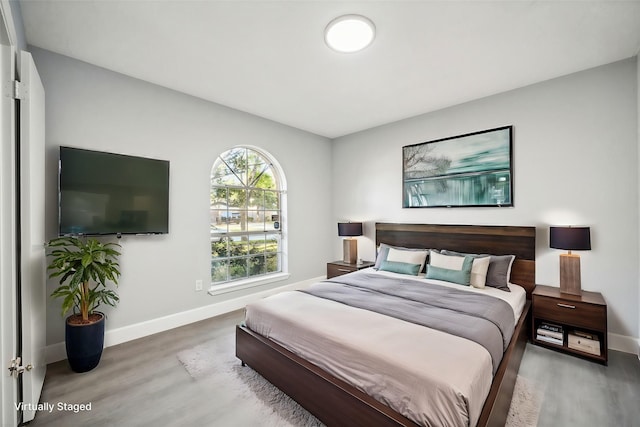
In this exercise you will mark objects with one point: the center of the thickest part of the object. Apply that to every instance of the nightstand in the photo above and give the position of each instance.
(338, 268)
(574, 324)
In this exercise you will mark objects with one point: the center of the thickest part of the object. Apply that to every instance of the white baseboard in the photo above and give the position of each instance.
(57, 352)
(623, 343)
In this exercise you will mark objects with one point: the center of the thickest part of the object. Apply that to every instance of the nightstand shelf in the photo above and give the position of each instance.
(338, 268)
(581, 318)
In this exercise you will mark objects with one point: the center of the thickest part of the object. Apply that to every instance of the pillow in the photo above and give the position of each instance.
(383, 252)
(400, 267)
(462, 276)
(411, 257)
(499, 270)
(454, 262)
(479, 271)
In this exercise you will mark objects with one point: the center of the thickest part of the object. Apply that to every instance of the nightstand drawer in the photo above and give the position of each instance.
(338, 270)
(571, 312)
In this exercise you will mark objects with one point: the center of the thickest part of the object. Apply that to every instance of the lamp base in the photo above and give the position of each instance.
(570, 274)
(350, 251)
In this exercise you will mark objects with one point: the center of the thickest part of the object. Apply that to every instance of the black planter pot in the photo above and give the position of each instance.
(84, 344)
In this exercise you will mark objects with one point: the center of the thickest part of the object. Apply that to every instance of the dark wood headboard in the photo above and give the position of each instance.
(480, 239)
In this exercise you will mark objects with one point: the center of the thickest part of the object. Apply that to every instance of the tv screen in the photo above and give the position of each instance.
(106, 193)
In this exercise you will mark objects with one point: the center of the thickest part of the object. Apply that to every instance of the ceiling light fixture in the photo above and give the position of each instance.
(349, 33)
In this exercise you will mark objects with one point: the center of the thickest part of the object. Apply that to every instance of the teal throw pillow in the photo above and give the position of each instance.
(400, 267)
(461, 277)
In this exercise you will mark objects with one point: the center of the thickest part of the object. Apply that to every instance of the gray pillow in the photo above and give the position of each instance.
(499, 268)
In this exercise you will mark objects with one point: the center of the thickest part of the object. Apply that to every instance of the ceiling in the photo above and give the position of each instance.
(268, 58)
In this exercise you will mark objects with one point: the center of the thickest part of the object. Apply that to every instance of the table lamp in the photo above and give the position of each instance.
(350, 245)
(571, 239)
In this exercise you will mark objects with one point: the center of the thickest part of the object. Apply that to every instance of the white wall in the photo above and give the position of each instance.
(93, 108)
(575, 162)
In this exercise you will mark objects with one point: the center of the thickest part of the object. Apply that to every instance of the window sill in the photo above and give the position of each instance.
(247, 283)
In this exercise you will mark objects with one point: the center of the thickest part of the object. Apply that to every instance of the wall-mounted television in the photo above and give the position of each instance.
(108, 193)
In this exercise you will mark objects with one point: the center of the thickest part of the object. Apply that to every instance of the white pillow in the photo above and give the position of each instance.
(479, 272)
(449, 262)
(409, 257)
(478, 269)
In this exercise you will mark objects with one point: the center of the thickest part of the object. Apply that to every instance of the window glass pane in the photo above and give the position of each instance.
(267, 180)
(272, 243)
(256, 244)
(237, 268)
(219, 220)
(219, 247)
(218, 197)
(239, 246)
(255, 220)
(236, 224)
(237, 199)
(256, 199)
(256, 167)
(237, 214)
(271, 200)
(219, 271)
(222, 175)
(272, 263)
(217, 229)
(257, 265)
(236, 159)
(256, 205)
(273, 221)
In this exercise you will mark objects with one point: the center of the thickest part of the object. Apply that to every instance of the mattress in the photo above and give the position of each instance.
(429, 376)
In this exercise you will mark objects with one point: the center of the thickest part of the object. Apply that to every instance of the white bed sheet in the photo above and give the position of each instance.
(429, 376)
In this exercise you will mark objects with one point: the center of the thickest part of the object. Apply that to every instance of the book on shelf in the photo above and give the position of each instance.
(552, 334)
(550, 327)
(551, 340)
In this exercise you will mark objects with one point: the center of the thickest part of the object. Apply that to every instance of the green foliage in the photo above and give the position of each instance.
(231, 259)
(84, 269)
(239, 170)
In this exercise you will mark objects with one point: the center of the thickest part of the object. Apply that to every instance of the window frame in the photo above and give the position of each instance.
(231, 284)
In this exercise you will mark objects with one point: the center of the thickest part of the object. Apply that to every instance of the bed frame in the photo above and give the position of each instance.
(336, 402)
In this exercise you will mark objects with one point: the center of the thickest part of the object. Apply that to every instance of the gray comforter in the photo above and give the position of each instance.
(481, 318)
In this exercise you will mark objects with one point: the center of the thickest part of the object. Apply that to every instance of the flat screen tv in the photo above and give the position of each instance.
(107, 193)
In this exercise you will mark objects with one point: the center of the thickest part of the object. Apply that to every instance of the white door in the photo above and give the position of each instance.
(8, 305)
(32, 235)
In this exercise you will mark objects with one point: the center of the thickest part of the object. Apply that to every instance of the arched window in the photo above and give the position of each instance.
(247, 199)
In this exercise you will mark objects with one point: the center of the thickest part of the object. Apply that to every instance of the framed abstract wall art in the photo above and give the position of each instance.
(471, 170)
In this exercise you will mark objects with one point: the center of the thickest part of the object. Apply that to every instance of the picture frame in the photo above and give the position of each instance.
(470, 170)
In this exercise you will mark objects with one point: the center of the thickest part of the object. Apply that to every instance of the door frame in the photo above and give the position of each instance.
(31, 283)
(9, 336)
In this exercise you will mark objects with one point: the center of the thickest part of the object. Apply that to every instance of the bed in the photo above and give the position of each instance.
(330, 385)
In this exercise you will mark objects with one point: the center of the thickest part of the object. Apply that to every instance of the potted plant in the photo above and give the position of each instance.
(84, 267)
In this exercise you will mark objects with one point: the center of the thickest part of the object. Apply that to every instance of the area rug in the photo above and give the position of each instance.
(215, 362)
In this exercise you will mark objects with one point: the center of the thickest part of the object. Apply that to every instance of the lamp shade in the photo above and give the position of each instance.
(349, 229)
(570, 238)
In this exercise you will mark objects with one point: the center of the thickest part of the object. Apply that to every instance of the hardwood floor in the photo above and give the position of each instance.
(578, 392)
(142, 383)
